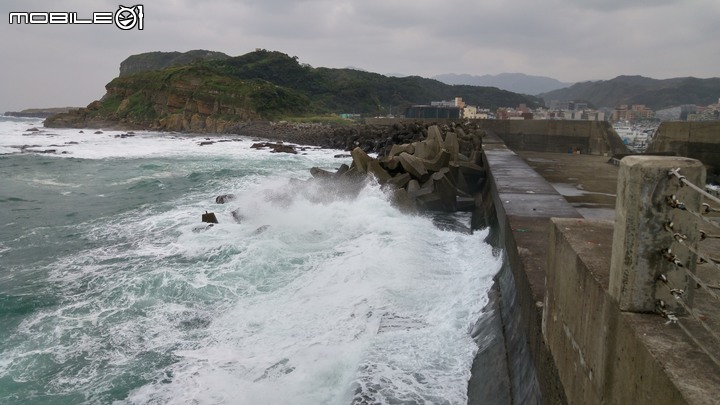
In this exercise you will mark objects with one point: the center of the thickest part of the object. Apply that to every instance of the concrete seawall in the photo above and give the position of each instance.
(517, 205)
(566, 341)
(561, 136)
(697, 140)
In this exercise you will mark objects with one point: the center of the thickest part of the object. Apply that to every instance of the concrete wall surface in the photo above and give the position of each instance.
(697, 140)
(558, 136)
(604, 355)
(520, 203)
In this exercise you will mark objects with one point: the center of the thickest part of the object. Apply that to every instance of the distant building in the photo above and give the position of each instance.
(458, 102)
(567, 105)
(451, 109)
(636, 112)
(690, 112)
(430, 111)
(670, 114)
(471, 112)
(593, 115)
(520, 113)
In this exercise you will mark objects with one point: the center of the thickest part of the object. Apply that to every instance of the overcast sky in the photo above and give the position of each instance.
(569, 40)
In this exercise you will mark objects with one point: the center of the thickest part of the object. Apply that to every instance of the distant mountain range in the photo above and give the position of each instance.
(654, 93)
(515, 82)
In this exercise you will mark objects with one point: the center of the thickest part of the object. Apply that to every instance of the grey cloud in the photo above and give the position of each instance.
(620, 5)
(569, 40)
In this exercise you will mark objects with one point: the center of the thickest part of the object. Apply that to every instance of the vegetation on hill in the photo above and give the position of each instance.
(207, 94)
(654, 93)
(350, 90)
(160, 60)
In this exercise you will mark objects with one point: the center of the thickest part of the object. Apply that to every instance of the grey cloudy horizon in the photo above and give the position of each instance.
(69, 65)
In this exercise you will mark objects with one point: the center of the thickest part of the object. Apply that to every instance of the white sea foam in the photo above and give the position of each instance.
(324, 279)
(313, 296)
(89, 145)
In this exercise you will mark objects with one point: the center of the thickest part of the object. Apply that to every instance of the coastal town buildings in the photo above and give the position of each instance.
(634, 113)
(565, 110)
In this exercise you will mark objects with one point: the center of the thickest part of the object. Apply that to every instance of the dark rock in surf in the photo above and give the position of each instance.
(276, 147)
(237, 215)
(261, 229)
(284, 149)
(202, 228)
(222, 199)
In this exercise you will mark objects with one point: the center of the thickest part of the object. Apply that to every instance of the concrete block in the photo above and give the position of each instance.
(389, 163)
(402, 200)
(451, 145)
(641, 215)
(420, 150)
(472, 174)
(400, 180)
(360, 159)
(413, 165)
(398, 149)
(434, 142)
(341, 170)
(317, 172)
(445, 190)
(442, 159)
(374, 168)
(416, 190)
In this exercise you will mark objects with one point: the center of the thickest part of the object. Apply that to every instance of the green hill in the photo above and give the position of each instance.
(208, 94)
(160, 60)
(654, 93)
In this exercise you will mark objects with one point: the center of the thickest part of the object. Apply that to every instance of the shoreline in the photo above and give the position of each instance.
(372, 138)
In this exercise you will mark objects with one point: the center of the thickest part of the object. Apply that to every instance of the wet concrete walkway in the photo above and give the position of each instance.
(588, 182)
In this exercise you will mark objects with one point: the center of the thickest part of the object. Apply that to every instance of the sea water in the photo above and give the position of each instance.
(113, 291)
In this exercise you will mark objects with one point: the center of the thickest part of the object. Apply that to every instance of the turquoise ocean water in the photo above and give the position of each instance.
(112, 291)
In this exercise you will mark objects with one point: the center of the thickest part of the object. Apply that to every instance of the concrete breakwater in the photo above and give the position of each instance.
(439, 173)
(372, 138)
(697, 140)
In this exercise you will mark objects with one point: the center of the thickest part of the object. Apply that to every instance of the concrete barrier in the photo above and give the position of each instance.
(642, 214)
(697, 140)
(605, 355)
(557, 310)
